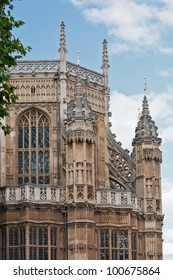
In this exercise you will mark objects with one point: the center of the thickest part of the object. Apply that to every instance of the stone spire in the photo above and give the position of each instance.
(105, 65)
(146, 128)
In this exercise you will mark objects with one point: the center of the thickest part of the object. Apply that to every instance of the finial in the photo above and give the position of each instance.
(145, 85)
(78, 84)
(105, 54)
(62, 38)
(78, 58)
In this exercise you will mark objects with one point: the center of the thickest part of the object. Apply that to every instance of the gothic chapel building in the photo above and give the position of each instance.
(68, 190)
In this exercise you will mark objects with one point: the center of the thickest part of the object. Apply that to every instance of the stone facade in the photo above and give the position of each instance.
(68, 190)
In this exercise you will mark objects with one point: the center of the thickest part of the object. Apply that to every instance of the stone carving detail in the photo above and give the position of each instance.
(149, 205)
(22, 192)
(158, 208)
(37, 67)
(70, 193)
(84, 74)
(2, 195)
(43, 194)
(121, 165)
(115, 185)
(123, 198)
(103, 199)
(133, 200)
(113, 198)
(139, 204)
(31, 192)
(53, 66)
(53, 194)
(90, 192)
(12, 194)
(62, 195)
(80, 192)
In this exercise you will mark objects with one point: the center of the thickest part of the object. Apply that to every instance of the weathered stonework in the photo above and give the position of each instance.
(68, 190)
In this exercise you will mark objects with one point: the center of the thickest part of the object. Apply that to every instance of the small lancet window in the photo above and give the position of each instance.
(32, 90)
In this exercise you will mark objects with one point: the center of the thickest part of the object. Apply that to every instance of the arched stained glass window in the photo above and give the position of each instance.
(33, 148)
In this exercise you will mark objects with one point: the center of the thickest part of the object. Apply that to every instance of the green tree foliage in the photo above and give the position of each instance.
(11, 49)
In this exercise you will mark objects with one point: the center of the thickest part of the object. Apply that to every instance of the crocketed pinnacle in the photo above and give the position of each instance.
(78, 78)
(62, 38)
(145, 109)
(105, 55)
(79, 107)
(146, 128)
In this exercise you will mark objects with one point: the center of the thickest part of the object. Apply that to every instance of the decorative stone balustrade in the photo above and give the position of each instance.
(119, 199)
(38, 194)
(45, 67)
(49, 194)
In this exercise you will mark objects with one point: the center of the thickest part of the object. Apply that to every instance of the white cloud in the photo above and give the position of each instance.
(168, 219)
(133, 24)
(124, 110)
(167, 72)
(124, 121)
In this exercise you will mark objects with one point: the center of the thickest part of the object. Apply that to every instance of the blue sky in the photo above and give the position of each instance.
(140, 44)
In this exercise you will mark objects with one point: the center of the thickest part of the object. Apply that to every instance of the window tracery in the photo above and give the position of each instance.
(121, 165)
(33, 148)
(119, 244)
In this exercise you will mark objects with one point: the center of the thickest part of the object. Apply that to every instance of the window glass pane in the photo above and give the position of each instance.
(45, 236)
(32, 235)
(40, 236)
(11, 253)
(22, 236)
(26, 137)
(46, 162)
(114, 255)
(20, 137)
(45, 254)
(123, 255)
(107, 238)
(46, 135)
(114, 239)
(47, 180)
(40, 137)
(102, 239)
(26, 162)
(20, 180)
(15, 253)
(16, 236)
(26, 179)
(104, 254)
(53, 254)
(40, 162)
(3, 237)
(40, 180)
(53, 236)
(123, 239)
(33, 137)
(33, 180)
(133, 241)
(40, 253)
(20, 162)
(33, 162)
(11, 237)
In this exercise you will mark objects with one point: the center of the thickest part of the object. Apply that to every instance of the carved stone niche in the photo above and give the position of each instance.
(80, 192)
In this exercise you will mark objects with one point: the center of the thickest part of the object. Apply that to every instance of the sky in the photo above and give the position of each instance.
(140, 44)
